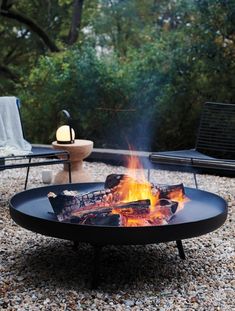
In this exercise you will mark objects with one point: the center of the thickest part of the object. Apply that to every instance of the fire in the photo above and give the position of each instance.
(134, 186)
(128, 200)
(178, 196)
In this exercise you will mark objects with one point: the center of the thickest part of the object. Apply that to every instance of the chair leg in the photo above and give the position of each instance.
(27, 175)
(149, 171)
(195, 180)
(194, 175)
(70, 175)
(180, 249)
(69, 168)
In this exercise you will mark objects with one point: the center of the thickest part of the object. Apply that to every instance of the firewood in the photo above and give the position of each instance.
(65, 203)
(91, 207)
(113, 180)
(98, 218)
(96, 215)
(168, 204)
(137, 206)
(170, 191)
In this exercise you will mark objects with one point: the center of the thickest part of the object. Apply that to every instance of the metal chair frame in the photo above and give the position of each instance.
(214, 150)
(47, 156)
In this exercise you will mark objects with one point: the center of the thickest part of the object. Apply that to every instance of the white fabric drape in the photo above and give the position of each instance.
(12, 141)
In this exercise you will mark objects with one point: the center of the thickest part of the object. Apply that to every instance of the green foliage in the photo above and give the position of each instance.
(77, 81)
(138, 74)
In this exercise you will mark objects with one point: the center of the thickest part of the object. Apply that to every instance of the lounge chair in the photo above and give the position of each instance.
(214, 150)
(23, 154)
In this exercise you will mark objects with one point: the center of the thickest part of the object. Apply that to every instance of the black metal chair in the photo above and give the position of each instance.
(214, 151)
(42, 155)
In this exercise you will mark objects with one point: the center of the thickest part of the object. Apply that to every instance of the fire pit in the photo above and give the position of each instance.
(202, 213)
(126, 209)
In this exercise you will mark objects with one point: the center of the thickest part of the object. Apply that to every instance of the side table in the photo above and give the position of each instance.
(78, 152)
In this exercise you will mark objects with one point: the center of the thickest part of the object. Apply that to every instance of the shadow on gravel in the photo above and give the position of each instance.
(58, 265)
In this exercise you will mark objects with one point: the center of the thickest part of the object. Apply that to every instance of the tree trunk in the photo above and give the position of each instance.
(32, 26)
(76, 22)
(5, 71)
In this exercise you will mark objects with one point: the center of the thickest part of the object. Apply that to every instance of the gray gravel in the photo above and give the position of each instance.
(43, 273)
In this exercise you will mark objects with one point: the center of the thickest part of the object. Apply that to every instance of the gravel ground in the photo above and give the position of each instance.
(43, 273)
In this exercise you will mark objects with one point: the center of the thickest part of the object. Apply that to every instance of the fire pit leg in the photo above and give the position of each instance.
(75, 245)
(180, 249)
(96, 267)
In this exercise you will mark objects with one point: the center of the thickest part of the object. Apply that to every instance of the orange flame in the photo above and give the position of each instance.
(136, 187)
(133, 187)
(178, 196)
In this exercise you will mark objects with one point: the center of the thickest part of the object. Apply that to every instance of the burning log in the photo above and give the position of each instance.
(114, 207)
(169, 191)
(97, 218)
(66, 202)
(100, 220)
(115, 181)
(68, 205)
(113, 214)
(109, 216)
(158, 215)
(170, 205)
(138, 207)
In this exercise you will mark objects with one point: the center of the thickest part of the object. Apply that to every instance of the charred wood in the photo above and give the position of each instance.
(113, 180)
(168, 204)
(98, 219)
(168, 191)
(65, 203)
(108, 207)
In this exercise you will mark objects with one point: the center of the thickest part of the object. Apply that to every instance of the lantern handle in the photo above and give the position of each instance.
(67, 114)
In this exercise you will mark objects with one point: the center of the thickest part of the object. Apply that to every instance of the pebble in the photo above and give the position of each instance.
(129, 303)
(34, 297)
(44, 273)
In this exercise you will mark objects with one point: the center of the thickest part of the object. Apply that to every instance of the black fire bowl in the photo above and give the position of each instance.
(203, 213)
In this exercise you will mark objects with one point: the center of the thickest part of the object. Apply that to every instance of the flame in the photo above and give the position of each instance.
(136, 187)
(133, 187)
(178, 196)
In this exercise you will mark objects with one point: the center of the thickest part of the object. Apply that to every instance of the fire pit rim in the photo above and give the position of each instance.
(103, 235)
(15, 199)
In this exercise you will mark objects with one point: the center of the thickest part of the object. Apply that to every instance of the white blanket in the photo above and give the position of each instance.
(12, 141)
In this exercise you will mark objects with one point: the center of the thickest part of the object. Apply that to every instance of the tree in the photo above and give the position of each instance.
(25, 34)
(159, 59)
(7, 10)
(76, 22)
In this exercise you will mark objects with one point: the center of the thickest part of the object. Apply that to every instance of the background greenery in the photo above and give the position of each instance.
(128, 71)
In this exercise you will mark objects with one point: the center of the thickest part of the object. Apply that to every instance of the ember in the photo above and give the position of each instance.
(126, 200)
